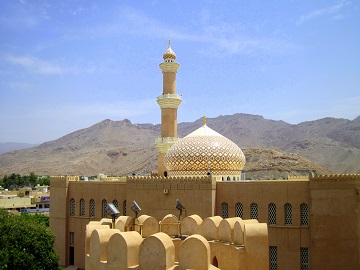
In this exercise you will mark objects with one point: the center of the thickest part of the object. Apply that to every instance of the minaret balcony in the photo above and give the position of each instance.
(163, 144)
(169, 101)
(169, 66)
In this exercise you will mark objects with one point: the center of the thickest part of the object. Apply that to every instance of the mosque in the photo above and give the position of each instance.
(222, 222)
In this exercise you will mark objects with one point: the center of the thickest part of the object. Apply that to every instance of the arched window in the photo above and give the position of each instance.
(228, 178)
(92, 208)
(124, 208)
(239, 210)
(304, 214)
(273, 258)
(115, 203)
(224, 210)
(272, 213)
(288, 214)
(215, 262)
(104, 206)
(304, 258)
(72, 207)
(82, 207)
(253, 211)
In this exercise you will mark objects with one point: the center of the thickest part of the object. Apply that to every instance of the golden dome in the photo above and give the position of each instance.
(202, 151)
(169, 53)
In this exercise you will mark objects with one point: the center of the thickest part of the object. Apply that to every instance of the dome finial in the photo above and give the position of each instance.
(169, 53)
(204, 119)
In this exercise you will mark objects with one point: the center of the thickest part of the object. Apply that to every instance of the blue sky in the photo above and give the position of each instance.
(66, 65)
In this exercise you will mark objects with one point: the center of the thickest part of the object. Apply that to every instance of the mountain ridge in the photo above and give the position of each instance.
(120, 147)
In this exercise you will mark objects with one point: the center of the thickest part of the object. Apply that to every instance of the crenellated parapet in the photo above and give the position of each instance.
(298, 177)
(335, 176)
(113, 179)
(174, 179)
(62, 181)
(64, 178)
(171, 183)
(238, 244)
(335, 181)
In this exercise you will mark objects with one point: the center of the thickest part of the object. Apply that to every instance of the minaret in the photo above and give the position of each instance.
(169, 101)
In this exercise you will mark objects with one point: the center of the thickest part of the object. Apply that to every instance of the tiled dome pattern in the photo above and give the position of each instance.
(169, 53)
(204, 150)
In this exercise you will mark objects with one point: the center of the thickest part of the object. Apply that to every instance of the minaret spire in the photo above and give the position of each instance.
(169, 102)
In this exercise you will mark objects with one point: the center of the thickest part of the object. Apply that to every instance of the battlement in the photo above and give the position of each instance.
(335, 181)
(114, 178)
(65, 177)
(193, 243)
(298, 177)
(335, 176)
(173, 179)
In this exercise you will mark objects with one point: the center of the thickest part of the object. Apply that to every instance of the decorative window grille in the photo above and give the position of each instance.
(104, 206)
(72, 207)
(224, 210)
(253, 211)
(239, 210)
(82, 207)
(304, 258)
(288, 214)
(304, 214)
(72, 239)
(92, 208)
(124, 208)
(272, 213)
(115, 203)
(273, 257)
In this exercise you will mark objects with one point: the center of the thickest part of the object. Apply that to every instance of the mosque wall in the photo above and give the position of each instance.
(335, 222)
(74, 204)
(157, 195)
(316, 219)
(280, 204)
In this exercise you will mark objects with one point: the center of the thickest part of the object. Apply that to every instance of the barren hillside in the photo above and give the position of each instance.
(273, 148)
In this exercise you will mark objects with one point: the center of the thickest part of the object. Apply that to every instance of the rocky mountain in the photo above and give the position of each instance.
(273, 148)
(11, 146)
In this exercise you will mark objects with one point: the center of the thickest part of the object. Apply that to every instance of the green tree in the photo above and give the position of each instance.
(36, 218)
(43, 180)
(26, 243)
(32, 178)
